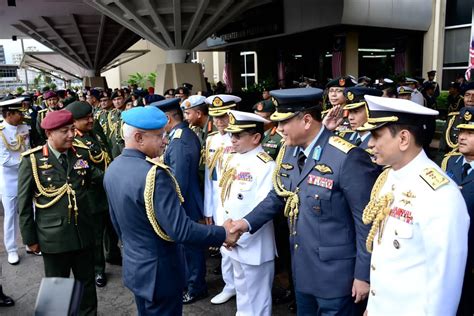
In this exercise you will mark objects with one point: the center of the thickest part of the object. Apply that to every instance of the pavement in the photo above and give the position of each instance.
(22, 281)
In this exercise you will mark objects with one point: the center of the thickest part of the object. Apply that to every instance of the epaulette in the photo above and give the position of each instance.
(1, 127)
(178, 133)
(343, 133)
(453, 113)
(79, 145)
(43, 110)
(434, 178)
(341, 144)
(32, 150)
(213, 133)
(263, 156)
(159, 164)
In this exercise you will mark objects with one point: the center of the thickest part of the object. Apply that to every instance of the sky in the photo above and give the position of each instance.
(13, 47)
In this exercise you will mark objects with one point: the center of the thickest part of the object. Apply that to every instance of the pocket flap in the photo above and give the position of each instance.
(46, 222)
(347, 251)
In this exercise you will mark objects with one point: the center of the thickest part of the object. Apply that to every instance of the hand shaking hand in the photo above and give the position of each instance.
(234, 230)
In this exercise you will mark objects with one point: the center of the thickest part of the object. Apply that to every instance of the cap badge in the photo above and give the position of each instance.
(231, 119)
(260, 106)
(468, 116)
(187, 104)
(342, 82)
(217, 102)
(350, 96)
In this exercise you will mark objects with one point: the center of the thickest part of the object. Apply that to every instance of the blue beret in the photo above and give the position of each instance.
(147, 118)
(167, 104)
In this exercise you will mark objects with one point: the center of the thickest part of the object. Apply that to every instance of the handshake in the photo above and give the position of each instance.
(234, 229)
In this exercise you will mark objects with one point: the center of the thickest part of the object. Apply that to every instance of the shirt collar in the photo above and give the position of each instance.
(471, 163)
(308, 149)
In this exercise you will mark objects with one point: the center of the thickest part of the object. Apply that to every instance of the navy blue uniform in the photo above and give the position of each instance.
(328, 242)
(152, 267)
(182, 156)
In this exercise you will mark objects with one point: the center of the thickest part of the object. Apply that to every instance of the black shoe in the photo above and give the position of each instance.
(115, 261)
(189, 298)
(292, 307)
(286, 296)
(5, 301)
(100, 280)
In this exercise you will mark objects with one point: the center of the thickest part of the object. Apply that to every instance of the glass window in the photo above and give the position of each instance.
(248, 69)
(456, 46)
(458, 12)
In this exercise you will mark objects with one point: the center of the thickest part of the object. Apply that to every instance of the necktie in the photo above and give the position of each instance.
(358, 141)
(301, 160)
(465, 169)
(63, 161)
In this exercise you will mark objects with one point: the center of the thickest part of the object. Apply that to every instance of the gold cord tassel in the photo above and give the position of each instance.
(212, 162)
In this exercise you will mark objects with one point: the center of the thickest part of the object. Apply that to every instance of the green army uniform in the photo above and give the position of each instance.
(455, 104)
(272, 142)
(61, 221)
(40, 132)
(114, 132)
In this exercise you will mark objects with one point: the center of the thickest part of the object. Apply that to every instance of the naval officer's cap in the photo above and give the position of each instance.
(79, 109)
(290, 102)
(221, 104)
(355, 96)
(240, 121)
(145, 117)
(193, 102)
(14, 104)
(383, 111)
(467, 118)
(404, 90)
(167, 105)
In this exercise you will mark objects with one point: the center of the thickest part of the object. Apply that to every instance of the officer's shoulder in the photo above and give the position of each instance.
(178, 133)
(453, 113)
(263, 156)
(159, 164)
(448, 158)
(78, 144)
(341, 144)
(212, 133)
(30, 151)
(433, 178)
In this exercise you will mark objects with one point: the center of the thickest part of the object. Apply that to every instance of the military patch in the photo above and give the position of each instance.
(81, 164)
(263, 156)
(270, 145)
(401, 214)
(323, 169)
(342, 82)
(433, 178)
(341, 144)
(287, 166)
(178, 134)
(320, 181)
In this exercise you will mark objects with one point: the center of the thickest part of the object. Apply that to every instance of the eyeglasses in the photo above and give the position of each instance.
(240, 135)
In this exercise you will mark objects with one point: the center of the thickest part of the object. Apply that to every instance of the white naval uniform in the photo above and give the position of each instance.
(418, 267)
(253, 256)
(417, 97)
(10, 162)
(212, 195)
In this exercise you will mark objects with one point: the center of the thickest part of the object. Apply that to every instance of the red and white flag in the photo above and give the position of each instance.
(471, 61)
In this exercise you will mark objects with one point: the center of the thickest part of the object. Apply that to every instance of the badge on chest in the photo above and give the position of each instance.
(320, 181)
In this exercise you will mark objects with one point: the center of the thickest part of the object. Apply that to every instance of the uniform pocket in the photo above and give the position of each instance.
(46, 222)
(403, 230)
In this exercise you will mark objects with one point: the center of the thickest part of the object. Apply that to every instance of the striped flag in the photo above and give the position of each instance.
(227, 74)
(471, 61)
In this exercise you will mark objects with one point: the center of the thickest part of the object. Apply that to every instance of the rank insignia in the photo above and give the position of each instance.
(323, 169)
(317, 153)
(45, 166)
(433, 178)
(263, 156)
(287, 166)
(320, 181)
(81, 164)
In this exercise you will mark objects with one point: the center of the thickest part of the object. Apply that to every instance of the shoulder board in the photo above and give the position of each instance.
(43, 110)
(178, 133)
(263, 156)
(79, 144)
(453, 113)
(433, 178)
(1, 127)
(32, 150)
(341, 144)
(159, 164)
(344, 133)
(213, 133)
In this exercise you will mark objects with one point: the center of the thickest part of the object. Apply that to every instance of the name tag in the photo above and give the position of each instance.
(320, 181)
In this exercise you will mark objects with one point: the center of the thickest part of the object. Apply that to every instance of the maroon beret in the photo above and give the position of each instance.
(49, 94)
(57, 119)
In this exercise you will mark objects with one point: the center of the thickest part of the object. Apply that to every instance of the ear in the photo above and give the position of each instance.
(308, 121)
(256, 138)
(138, 137)
(404, 138)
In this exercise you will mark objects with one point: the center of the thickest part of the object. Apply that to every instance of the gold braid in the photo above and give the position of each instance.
(377, 210)
(448, 129)
(444, 163)
(292, 200)
(149, 196)
(20, 146)
(99, 158)
(212, 162)
(56, 194)
(226, 180)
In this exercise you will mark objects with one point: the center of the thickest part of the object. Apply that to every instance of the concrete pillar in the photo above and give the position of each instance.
(95, 82)
(433, 41)
(176, 56)
(351, 55)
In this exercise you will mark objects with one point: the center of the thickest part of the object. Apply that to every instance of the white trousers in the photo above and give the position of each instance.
(10, 222)
(227, 273)
(253, 285)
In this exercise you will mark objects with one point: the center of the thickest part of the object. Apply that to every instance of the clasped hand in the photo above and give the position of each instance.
(234, 229)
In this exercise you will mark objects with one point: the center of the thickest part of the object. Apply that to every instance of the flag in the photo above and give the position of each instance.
(281, 71)
(336, 61)
(469, 70)
(227, 74)
(400, 62)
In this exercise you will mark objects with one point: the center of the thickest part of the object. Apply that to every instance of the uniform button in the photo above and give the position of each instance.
(282, 185)
(296, 246)
(372, 267)
(396, 233)
(227, 212)
(68, 178)
(316, 196)
(372, 292)
(294, 233)
(396, 244)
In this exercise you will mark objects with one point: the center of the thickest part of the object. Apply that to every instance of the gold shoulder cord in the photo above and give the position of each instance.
(149, 195)
(99, 158)
(292, 199)
(377, 210)
(20, 146)
(212, 161)
(226, 180)
(56, 194)
(447, 135)
(111, 124)
(444, 163)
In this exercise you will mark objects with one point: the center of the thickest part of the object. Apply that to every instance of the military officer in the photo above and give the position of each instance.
(459, 166)
(106, 105)
(149, 218)
(99, 155)
(55, 178)
(323, 183)
(52, 104)
(93, 98)
(272, 140)
(246, 180)
(335, 94)
(114, 124)
(404, 92)
(455, 99)
(196, 113)
(182, 156)
(431, 75)
(419, 220)
(416, 95)
(218, 149)
(14, 140)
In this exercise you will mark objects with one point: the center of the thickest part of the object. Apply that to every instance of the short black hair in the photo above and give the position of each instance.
(416, 130)
(256, 130)
(203, 108)
(315, 112)
(177, 112)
